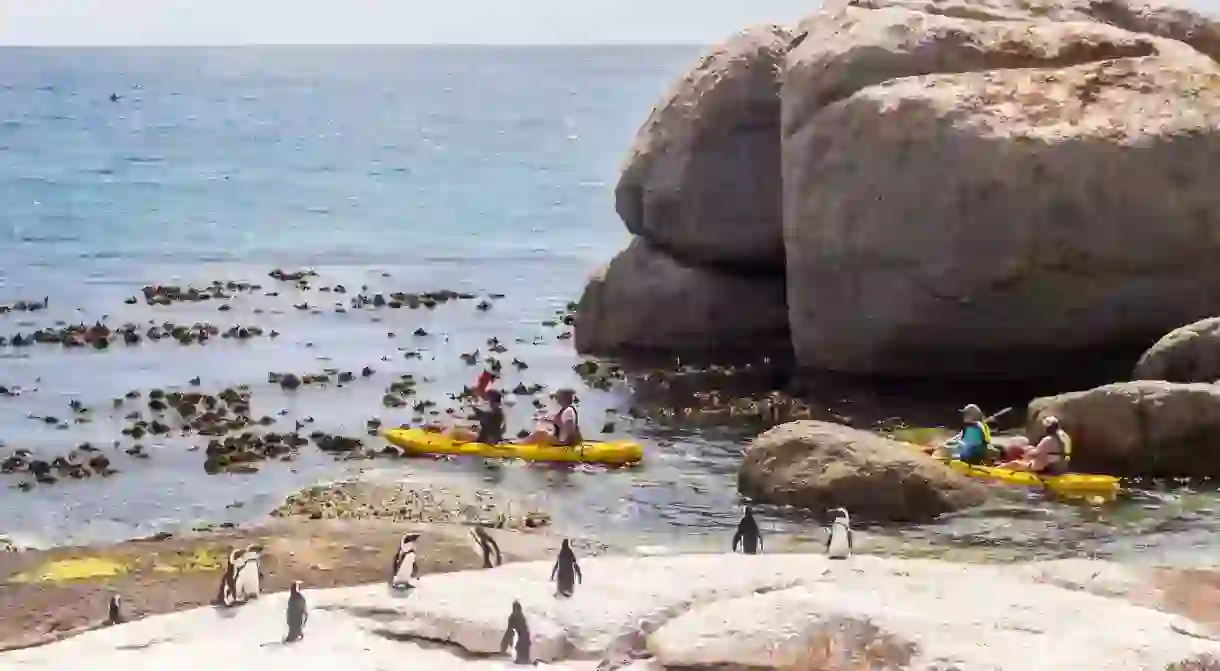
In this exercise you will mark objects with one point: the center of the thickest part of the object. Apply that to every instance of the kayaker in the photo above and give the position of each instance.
(970, 445)
(1051, 455)
(492, 424)
(562, 428)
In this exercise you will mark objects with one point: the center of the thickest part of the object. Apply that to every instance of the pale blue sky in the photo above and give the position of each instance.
(214, 22)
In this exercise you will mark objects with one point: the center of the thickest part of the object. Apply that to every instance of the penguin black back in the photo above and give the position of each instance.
(487, 547)
(567, 571)
(517, 634)
(297, 614)
(748, 535)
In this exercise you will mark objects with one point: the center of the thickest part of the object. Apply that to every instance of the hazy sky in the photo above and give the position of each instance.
(165, 22)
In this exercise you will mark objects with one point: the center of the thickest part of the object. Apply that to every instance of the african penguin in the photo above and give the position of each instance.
(298, 614)
(115, 614)
(567, 570)
(486, 546)
(748, 536)
(839, 542)
(226, 595)
(517, 635)
(406, 569)
(247, 577)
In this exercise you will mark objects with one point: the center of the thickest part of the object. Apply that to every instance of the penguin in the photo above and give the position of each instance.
(517, 635)
(226, 594)
(406, 569)
(247, 577)
(298, 614)
(839, 542)
(115, 614)
(486, 546)
(567, 570)
(748, 536)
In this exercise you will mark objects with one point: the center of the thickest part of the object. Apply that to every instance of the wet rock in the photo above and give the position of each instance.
(1144, 428)
(1187, 354)
(289, 381)
(819, 466)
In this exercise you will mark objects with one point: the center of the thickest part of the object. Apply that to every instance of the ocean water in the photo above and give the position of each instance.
(487, 170)
(481, 170)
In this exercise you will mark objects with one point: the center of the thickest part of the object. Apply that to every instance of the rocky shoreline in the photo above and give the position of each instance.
(710, 611)
(329, 536)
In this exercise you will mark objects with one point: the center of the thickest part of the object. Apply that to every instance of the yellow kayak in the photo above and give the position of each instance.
(1075, 485)
(419, 443)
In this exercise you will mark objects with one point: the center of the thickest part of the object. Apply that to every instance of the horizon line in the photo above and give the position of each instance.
(350, 45)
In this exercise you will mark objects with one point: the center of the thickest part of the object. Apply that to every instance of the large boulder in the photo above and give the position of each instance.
(985, 190)
(818, 466)
(1144, 428)
(1187, 354)
(702, 180)
(645, 301)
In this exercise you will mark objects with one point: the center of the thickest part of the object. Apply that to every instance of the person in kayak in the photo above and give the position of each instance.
(1050, 456)
(561, 429)
(492, 424)
(970, 445)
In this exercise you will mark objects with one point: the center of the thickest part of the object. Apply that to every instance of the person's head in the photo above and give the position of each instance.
(1050, 424)
(494, 398)
(565, 397)
(972, 413)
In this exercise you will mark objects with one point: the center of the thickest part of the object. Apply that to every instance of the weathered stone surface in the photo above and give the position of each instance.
(1144, 428)
(818, 466)
(645, 301)
(1003, 223)
(854, 48)
(714, 611)
(702, 180)
(1187, 354)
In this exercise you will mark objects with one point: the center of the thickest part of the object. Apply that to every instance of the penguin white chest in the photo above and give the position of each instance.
(246, 583)
(839, 545)
(405, 570)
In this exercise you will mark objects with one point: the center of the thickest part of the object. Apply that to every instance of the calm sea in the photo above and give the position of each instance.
(487, 170)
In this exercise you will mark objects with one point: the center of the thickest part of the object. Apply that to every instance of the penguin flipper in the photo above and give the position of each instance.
(849, 540)
(555, 569)
(579, 578)
(496, 546)
(736, 540)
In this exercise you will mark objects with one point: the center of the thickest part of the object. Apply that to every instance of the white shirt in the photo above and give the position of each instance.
(566, 416)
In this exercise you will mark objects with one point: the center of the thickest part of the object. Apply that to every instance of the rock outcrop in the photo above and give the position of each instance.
(1144, 428)
(984, 198)
(819, 466)
(701, 190)
(697, 611)
(1187, 354)
(987, 188)
(645, 301)
(702, 180)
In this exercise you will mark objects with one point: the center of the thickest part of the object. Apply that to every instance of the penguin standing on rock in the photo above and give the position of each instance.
(226, 595)
(517, 635)
(839, 542)
(748, 535)
(247, 578)
(298, 614)
(567, 570)
(115, 614)
(406, 569)
(486, 546)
